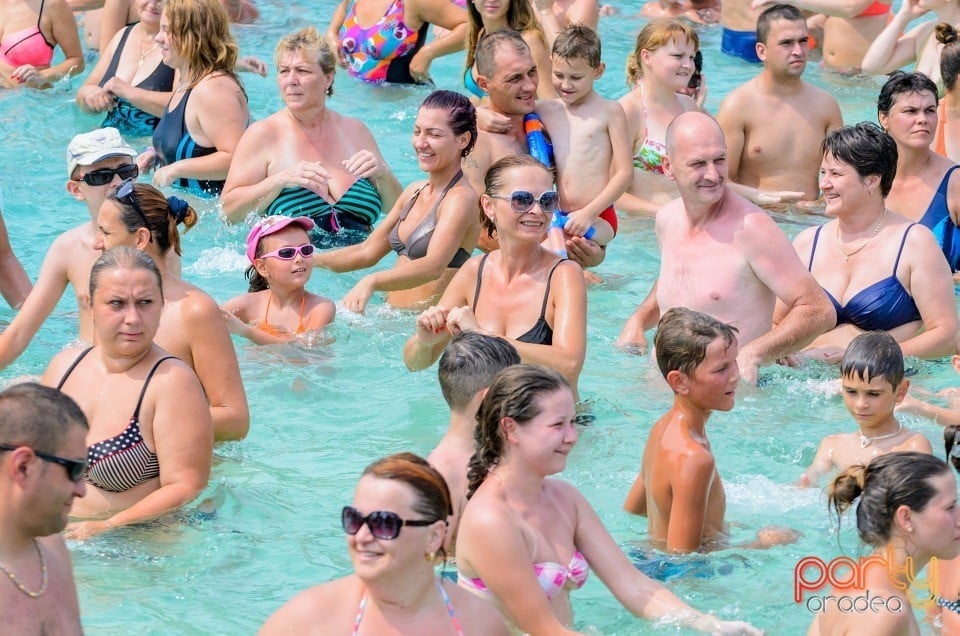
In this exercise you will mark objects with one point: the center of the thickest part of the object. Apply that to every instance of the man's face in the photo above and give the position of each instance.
(698, 163)
(513, 87)
(94, 195)
(55, 491)
(785, 52)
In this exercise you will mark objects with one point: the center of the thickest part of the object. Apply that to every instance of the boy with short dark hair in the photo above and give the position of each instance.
(466, 369)
(589, 135)
(871, 373)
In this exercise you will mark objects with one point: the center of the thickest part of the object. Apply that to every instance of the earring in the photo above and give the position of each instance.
(909, 528)
(430, 556)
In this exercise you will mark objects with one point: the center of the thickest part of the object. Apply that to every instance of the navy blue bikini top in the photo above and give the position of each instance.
(883, 305)
(540, 332)
(938, 219)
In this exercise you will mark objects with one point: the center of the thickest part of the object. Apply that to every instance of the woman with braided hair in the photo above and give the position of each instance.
(191, 327)
(526, 540)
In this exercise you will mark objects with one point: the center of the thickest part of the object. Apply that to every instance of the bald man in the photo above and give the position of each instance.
(725, 257)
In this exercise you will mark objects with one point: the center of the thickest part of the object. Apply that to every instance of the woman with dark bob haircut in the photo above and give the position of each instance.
(394, 529)
(908, 513)
(927, 187)
(880, 270)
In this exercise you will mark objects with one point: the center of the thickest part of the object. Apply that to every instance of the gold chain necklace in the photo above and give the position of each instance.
(43, 575)
(848, 253)
(144, 54)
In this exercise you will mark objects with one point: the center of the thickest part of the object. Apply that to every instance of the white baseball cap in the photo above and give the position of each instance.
(88, 148)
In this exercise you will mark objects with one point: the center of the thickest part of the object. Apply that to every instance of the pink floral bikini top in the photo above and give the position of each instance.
(553, 577)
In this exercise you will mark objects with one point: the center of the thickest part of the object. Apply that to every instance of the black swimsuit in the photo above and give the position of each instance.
(540, 332)
(126, 117)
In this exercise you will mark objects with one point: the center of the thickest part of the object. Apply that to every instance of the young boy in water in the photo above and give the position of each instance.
(871, 372)
(589, 134)
(467, 367)
(678, 487)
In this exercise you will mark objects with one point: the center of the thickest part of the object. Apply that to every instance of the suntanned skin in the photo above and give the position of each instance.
(774, 123)
(679, 488)
(512, 94)
(737, 15)
(35, 497)
(725, 257)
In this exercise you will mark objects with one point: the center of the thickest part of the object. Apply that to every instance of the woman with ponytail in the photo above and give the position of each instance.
(525, 540)
(279, 251)
(908, 513)
(192, 326)
(947, 141)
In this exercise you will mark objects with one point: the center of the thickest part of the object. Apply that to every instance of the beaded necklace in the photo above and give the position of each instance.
(43, 575)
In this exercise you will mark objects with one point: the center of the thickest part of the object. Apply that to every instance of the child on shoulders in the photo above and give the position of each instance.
(871, 373)
(591, 148)
(277, 307)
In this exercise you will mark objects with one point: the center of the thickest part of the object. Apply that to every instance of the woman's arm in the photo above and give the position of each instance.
(65, 35)
(490, 543)
(14, 284)
(333, 31)
(931, 285)
(220, 108)
(892, 48)
(456, 219)
(115, 16)
(153, 102)
(91, 98)
(635, 591)
(424, 347)
(836, 8)
(215, 362)
(442, 13)
(369, 163)
(939, 414)
(541, 56)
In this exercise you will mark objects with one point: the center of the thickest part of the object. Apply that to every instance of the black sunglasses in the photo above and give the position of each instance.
(126, 194)
(383, 524)
(521, 201)
(103, 176)
(76, 468)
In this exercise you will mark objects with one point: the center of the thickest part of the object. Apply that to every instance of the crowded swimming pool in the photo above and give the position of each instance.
(268, 525)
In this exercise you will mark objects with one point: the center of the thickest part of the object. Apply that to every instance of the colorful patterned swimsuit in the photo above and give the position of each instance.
(382, 52)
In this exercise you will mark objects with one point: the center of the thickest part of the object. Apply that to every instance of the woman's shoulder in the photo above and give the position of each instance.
(321, 603)
(58, 365)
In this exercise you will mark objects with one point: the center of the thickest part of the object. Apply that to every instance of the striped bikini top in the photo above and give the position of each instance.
(358, 208)
(123, 461)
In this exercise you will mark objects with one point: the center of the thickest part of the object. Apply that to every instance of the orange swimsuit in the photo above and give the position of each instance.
(265, 326)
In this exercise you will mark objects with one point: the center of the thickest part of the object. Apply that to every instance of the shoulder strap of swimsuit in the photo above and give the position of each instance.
(546, 292)
(146, 383)
(409, 204)
(945, 184)
(813, 248)
(39, 16)
(896, 264)
(443, 195)
(115, 60)
(476, 292)
(73, 365)
(450, 612)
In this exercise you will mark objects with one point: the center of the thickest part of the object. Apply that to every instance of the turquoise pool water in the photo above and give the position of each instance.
(269, 525)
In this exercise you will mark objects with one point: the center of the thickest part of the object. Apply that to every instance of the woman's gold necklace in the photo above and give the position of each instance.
(43, 575)
(848, 253)
(144, 54)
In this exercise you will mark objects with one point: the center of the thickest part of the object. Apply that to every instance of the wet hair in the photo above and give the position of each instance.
(520, 18)
(578, 41)
(513, 393)
(469, 363)
(867, 148)
(37, 416)
(949, 441)
(777, 12)
(494, 178)
(201, 33)
(886, 483)
(461, 114)
(308, 39)
(433, 495)
(875, 354)
(656, 34)
(255, 280)
(123, 258)
(683, 336)
(901, 83)
(949, 37)
(157, 213)
(490, 43)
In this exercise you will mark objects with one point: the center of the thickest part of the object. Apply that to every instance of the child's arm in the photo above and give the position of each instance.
(321, 315)
(691, 488)
(821, 465)
(235, 314)
(636, 501)
(621, 173)
(940, 415)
